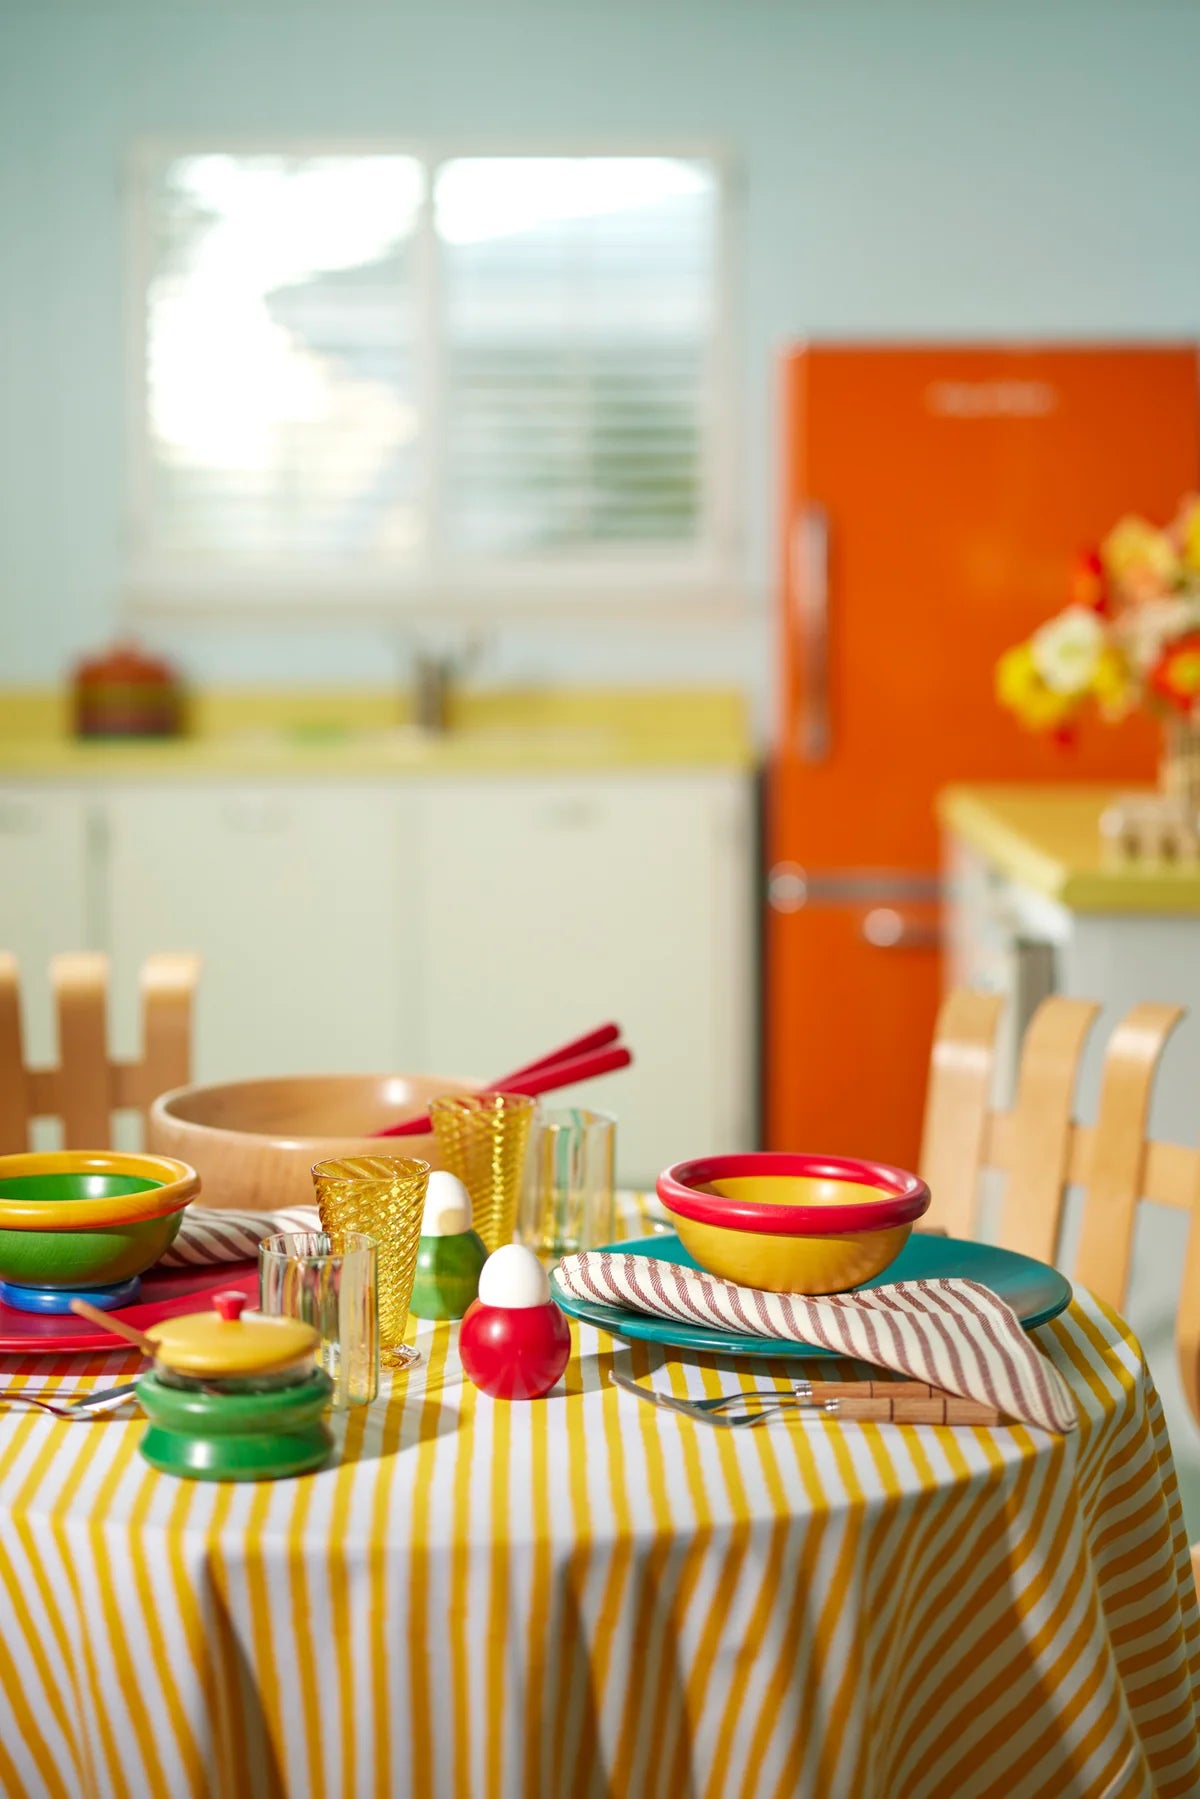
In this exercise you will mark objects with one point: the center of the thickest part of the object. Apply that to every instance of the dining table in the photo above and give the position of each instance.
(587, 1595)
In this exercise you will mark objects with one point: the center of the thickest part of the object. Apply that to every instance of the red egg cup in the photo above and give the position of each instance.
(513, 1352)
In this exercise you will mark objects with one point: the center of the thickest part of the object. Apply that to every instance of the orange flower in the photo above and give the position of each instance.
(1175, 677)
(1186, 532)
(1140, 561)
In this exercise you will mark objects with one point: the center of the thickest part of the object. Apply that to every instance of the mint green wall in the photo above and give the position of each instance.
(906, 169)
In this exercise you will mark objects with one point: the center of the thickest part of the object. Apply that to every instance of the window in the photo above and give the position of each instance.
(376, 372)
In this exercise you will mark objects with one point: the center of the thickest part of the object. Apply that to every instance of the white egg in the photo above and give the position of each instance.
(447, 1206)
(513, 1277)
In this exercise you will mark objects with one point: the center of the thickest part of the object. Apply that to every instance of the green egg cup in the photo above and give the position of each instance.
(214, 1435)
(447, 1279)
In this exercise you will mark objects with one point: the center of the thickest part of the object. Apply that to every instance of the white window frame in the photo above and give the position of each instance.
(474, 590)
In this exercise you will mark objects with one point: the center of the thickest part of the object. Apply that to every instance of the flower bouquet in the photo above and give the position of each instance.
(1129, 640)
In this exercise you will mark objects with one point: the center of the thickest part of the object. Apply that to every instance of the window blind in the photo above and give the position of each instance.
(382, 361)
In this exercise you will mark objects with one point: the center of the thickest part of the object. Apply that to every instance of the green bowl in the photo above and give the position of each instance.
(92, 1256)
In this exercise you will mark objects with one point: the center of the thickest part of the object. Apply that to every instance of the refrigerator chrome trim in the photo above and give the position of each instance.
(810, 614)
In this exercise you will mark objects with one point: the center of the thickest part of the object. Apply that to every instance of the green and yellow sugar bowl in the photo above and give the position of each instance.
(86, 1224)
(233, 1397)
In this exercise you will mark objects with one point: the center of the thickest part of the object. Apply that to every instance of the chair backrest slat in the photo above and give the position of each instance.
(168, 988)
(1042, 1125)
(1116, 1173)
(80, 985)
(956, 1106)
(14, 1089)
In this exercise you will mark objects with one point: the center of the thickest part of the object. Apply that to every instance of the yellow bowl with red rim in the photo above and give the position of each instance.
(792, 1223)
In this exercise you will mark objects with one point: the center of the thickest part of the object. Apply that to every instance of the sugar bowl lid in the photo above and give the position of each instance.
(222, 1342)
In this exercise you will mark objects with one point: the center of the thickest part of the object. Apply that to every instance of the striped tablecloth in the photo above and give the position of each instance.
(588, 1596)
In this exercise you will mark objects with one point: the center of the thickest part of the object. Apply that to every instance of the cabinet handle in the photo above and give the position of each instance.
(571, 814)
(260, 815)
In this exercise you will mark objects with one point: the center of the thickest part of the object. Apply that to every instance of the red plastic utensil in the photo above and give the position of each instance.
(600, 1038)
(546, 1079)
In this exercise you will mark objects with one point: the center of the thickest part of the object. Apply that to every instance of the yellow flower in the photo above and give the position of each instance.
(1112, 684)
(1139, 559)
(1020, 687)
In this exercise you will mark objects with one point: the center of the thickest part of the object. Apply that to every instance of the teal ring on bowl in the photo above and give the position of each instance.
(58, 1299)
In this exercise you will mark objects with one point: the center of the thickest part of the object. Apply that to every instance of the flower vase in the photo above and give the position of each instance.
(1179, 769)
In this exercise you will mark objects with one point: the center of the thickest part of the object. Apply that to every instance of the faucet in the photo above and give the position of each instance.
(437, 670)
(433, 677)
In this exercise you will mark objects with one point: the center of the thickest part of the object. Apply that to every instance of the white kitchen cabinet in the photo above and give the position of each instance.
(294, 895)
(46, 896)
(548, 906)
(459, 924)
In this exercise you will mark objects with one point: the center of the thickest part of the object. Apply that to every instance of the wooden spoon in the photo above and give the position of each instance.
(83, 1309)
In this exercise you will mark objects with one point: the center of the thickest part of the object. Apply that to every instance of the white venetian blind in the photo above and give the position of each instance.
(374, 362)
(579, 319)
(281, 360)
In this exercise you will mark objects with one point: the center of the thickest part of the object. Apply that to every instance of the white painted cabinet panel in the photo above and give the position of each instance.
(294, 897)
(45, 896)
(548, 906)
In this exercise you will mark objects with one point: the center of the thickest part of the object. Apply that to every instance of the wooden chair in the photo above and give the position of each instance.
(1042, 1150)
(88, 1086)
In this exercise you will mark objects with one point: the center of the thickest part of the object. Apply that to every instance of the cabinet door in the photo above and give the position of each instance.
(550, 906)
(293, 897)
(45, 885)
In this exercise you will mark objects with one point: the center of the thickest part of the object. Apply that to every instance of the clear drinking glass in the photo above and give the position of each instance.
(329, 1279)
(482, 1138)
(384, 1198)
(570, 1193)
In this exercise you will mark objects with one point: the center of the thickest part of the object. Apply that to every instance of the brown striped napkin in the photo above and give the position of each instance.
(206, 1236)
(955, 1334)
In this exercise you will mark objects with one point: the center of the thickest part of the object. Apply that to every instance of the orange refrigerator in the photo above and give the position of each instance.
(934, 502)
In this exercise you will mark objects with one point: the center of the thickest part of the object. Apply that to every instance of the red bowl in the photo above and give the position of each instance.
(792, 1223)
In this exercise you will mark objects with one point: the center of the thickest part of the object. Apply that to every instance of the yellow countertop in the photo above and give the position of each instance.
(351, 733)
(1048, 838)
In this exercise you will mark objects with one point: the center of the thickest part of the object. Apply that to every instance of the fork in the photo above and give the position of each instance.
(713, 1411)
(68, 1408)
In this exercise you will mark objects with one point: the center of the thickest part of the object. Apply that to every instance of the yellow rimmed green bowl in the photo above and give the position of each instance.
(792, 1223)
(86, 1224)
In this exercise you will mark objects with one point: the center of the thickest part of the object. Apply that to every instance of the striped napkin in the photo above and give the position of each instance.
(206, 1236)
(954, 1334)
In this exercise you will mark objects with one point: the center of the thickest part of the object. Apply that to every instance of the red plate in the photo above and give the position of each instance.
(166, 1293)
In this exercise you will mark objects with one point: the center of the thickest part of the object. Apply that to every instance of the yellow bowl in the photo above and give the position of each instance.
(792, 1223)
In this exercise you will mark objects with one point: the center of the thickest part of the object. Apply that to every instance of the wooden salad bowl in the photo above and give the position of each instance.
(253, 1143)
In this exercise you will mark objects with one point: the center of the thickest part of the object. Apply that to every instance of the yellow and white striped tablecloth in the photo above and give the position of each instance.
(583, 1595)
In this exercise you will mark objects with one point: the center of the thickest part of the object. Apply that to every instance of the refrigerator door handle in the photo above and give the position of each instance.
(883, 927)
(810, 620)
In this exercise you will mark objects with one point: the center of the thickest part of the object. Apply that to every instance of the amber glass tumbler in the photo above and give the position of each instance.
(482, 1138)
(384, 1198)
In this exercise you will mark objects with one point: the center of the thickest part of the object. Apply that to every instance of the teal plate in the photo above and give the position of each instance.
(1035, 1292)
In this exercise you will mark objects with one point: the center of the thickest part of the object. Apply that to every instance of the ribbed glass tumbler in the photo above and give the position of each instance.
(482, 1138)
(384, 1198)
(330, 1282)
